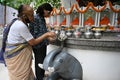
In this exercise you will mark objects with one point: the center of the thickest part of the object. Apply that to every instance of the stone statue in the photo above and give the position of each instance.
(62, 65)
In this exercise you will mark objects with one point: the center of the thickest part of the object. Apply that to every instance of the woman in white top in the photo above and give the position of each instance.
(18, 53)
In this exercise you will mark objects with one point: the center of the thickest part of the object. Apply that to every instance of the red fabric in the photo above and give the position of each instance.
(75, 21)
(89, 21)
(104, 21)
(63, 22)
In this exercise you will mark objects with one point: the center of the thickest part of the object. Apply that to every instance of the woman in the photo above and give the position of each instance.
(18, 54)
(38, 28)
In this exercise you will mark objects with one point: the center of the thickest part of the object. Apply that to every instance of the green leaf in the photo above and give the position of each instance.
(15, 3)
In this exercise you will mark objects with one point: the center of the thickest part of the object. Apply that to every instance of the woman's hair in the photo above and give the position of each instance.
(41, 8)
(20, 10)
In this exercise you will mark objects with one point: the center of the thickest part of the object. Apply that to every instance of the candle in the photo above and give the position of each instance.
(113, 18)
(68, 20)
(80, 19)
(98, 19)
(116, 19)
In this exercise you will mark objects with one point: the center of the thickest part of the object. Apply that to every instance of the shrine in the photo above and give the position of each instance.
(92, 37)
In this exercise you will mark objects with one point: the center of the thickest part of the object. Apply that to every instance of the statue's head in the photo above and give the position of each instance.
(61, 62)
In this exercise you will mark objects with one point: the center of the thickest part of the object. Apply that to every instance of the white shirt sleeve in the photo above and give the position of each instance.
(25, 33)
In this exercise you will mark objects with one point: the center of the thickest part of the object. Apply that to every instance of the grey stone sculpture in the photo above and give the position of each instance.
(62, 65)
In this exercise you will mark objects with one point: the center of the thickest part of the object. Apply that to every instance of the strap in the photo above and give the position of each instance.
(5, 34)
